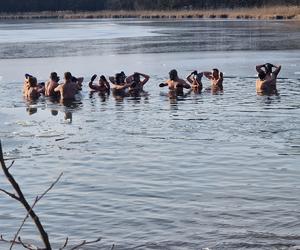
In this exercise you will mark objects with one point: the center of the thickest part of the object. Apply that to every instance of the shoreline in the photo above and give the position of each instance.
(264, 13)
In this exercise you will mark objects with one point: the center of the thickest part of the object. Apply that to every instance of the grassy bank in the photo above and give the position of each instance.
(278, 12)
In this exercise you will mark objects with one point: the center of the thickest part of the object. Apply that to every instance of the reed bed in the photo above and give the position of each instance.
(277, 12)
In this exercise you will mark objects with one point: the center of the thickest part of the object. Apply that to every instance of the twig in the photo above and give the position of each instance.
(84, 243)
(18, 242)
(65, 244)
(27, 246)
(23, 201)
(12, 163)
(10, 194)
(37, 199)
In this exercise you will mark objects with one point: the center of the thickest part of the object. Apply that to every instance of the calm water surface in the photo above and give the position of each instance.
(198, 171)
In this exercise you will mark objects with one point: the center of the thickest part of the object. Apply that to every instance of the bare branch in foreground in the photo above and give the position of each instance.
(10, 194)
(23, 201)
(84, 243)
(20, 197)
(25, 245)
(37, 199)
(65, 244)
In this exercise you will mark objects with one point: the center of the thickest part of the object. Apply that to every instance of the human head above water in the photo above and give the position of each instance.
(268, 67)
(54, 76)
(261, 75)
(32, 81)
(215, 73)
(173, 75)
(136, 77)
(102, 79)
(119, 78)
(68, 76)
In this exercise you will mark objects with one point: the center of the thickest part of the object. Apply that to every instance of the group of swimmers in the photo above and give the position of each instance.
(121, 84)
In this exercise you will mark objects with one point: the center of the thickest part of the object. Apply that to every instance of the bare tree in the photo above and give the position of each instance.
(19, 196)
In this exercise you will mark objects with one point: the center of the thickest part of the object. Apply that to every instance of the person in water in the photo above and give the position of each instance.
(33, 92)
(32, 89)
(51, 84)
(266, 84)
(216, 80)
(195, 79)
(119, 82)
(136, 84)
(175, 83)
(103, 85)
(69, 88)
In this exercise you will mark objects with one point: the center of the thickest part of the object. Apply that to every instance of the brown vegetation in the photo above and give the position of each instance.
(278, 12)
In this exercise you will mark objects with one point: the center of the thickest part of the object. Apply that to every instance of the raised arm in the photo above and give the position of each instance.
(259, 68)
(277, 70)
(189, 77)
(146, 78)
(163, 84)
(91, 82)
(220, 81)
(107, 85)
(182, 83)
(207, 74)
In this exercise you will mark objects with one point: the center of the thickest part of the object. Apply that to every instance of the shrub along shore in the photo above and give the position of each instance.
(278, 12)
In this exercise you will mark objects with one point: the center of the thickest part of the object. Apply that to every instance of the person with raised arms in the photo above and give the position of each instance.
(31, 88)
(70, 87)
(195, 79)
(136, 84)
(102, 86)
(175, 83)
(266, 84)
(216, 80)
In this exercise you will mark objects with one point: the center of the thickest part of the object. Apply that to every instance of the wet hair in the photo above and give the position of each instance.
(216, 70)
(268, 68)
(32, 81)
(173, 75)
(68, 76)
(198, 77)
(118, 78)
(53, 76)
(102, 77)
(136, 77)
(261, 75)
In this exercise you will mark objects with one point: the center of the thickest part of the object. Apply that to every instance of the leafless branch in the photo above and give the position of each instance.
(27, 246)
(21, 198)
(12, 163)
(37, 199)
(18, 242)
(10, 194)
(23, 201)
(65, 244)
(84, 243)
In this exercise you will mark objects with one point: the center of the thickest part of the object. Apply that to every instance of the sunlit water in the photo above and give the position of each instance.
(199, 171)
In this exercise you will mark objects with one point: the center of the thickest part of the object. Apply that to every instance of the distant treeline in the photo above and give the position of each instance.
(96, 5)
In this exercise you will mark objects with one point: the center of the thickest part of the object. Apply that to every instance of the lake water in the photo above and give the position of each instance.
(196, 172)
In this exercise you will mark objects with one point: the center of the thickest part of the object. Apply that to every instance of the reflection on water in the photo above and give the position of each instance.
(158, 171)
(161, 171)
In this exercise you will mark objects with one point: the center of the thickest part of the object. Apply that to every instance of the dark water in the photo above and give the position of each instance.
(196, 172)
